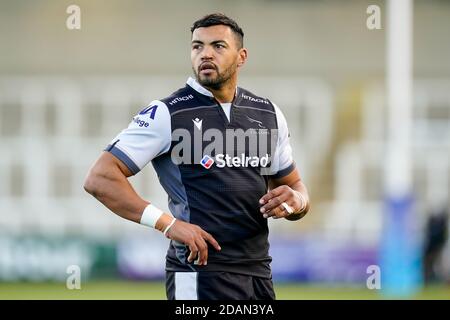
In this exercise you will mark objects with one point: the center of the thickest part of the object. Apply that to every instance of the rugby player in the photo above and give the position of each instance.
(223, 156)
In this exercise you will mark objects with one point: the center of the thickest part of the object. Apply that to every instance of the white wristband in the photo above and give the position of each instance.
(169, 226)
(302, 198)
(150, 215)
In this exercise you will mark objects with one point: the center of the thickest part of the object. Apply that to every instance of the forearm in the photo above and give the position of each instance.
(117, 194)
(114, 191)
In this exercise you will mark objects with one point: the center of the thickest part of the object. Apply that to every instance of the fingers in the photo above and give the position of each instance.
(199, 247)
(199, 252)
(194, 252)
(211, 240)
(276, 213)
(196, 239)
(202, 252)
(273, 203)
(271, 194)
(203, 247)
(279, 211)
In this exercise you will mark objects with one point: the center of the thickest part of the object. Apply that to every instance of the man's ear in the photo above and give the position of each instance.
(243, 54)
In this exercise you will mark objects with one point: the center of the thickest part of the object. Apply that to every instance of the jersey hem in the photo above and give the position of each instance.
(262, 270)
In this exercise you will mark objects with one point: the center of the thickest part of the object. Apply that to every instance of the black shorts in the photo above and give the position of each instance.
(217, 285)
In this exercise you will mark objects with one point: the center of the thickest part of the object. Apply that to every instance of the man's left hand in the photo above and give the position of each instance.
(282, 202)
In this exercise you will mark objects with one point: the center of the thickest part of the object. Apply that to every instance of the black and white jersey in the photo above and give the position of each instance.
(214, 161)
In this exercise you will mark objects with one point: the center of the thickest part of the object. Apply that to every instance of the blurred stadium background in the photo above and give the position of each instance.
(64, 94)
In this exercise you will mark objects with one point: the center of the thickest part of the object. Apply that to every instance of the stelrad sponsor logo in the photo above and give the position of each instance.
(207, 162)
(225, 160)
(253, 147)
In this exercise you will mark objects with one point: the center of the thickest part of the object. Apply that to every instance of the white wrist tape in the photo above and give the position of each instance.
(150, 215)
(168, 227)
(302, 198)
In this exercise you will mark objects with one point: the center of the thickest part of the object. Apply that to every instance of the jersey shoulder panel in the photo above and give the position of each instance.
(186, 97)
(245, 98)
(147, 136)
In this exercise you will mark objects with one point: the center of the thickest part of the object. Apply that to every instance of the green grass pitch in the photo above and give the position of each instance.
(122, 290)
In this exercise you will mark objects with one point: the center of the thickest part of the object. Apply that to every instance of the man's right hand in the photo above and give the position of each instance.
(195, 238)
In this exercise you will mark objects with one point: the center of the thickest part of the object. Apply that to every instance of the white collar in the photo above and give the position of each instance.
(193, 83)
(197, 87)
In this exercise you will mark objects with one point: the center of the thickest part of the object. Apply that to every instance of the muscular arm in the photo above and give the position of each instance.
(288, 189)
(284, 190)
(107, 182)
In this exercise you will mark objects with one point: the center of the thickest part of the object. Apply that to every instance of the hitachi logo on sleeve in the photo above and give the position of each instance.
(254, 99)
(225, 160)
(178, 99)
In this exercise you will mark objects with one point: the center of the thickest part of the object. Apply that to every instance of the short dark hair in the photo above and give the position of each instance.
(215, 19)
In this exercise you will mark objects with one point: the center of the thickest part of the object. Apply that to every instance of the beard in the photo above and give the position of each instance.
(216, 80)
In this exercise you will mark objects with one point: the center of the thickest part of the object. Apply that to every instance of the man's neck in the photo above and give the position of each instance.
(225, 93)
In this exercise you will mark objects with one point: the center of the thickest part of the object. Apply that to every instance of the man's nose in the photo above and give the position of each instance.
(207, 53)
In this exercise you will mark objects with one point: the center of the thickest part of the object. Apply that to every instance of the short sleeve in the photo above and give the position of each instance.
(147, 136)
(282, 160)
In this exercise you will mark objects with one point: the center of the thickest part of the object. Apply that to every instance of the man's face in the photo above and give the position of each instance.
(215, 55)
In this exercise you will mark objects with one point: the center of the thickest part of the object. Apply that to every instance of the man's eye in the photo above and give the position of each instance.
(196, 47)
(220, 46)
